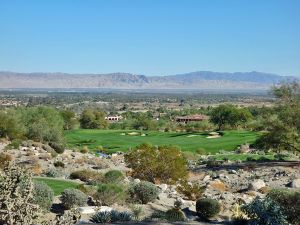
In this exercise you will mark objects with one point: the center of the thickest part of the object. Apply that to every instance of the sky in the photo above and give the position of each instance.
(150, 37)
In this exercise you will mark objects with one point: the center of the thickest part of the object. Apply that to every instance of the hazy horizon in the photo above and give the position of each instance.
(150, 37)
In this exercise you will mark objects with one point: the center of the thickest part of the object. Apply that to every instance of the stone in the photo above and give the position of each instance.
(163, 187)
(233, 172)
(295, 183)
(93, 209)
(256, 185)
(136, 181)
(206, 178)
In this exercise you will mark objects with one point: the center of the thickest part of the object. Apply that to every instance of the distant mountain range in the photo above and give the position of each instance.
(201, 80)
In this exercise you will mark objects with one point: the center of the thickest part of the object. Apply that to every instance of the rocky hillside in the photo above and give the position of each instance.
(203, 80)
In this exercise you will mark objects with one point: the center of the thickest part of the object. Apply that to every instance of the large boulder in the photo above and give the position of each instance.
(256, 185)
(295, 183)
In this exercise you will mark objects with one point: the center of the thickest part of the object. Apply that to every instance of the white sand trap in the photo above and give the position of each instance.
(214, 136)
(133, 133)
(193, 135)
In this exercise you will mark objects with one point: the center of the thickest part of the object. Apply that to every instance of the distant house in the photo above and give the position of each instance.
(191, 118)
(113, 118)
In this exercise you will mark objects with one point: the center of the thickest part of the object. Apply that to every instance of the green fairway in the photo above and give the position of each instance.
(57, 185)
(120, 140)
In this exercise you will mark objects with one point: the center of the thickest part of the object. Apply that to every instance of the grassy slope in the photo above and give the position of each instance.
(114, 141)
(57, 185)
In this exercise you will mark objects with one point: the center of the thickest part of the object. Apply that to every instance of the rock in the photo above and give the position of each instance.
(256, 185)
(136, 181)
(233, 172)
(206, 178)
(163, 187)
(295, 183)
(92, 209)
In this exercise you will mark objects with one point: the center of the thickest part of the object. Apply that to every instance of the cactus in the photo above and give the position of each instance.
(175, 215)
(68, 218)
(16, 196)
(101, 217)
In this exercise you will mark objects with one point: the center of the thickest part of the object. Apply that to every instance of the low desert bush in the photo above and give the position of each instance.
(191, 191)
(264, 212)
(289, 201)
(208, 208)
(59, 148)
(5, 159)
(43, 195)
(87, 176)
(15, 143)
(71, 198)
(59, 164)
(108, 194)
(164, 164)
(84, 150)
(143, 192)
(114, 176)
(53, 172)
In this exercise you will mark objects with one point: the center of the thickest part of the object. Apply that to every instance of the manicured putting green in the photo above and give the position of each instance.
(57, 185)
(120, 140)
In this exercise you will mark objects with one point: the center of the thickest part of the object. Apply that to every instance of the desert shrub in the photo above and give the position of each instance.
(85, 149)
(89, 190)
(207, 208)
(143, 192)
(87, 176)
(111, 217)
(59, 164)
(191, 191)
(69, 217)
(158, 215)
(114, 176)
(43, 195)
(59, 148)
(237, 215)
(16, 192)
(174, 215)
(264, 212)
(164, 163)
(72, 197)
(15, 143)
(137, 211)
(107, 194)
(5, 159)
(53, 172)
(47, 148)
(201, 151)
(289, 201)
(213, 163)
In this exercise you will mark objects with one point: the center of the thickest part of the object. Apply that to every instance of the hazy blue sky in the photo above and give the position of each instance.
(152, 37)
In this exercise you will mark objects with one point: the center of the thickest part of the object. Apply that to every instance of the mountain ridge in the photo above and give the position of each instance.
(192, 80)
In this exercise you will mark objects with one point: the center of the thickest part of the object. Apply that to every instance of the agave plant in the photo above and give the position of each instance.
(101, 217)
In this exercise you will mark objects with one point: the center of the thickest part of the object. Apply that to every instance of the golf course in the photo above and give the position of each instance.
(123, 140)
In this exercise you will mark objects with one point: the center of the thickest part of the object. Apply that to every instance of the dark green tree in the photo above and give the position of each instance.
(93, 119)
(229, 115)
(69, 119)
(283, 128)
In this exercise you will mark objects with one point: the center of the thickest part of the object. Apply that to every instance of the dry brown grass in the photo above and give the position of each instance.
(5, 159)
(265, 190)
(218, 185)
